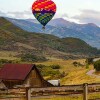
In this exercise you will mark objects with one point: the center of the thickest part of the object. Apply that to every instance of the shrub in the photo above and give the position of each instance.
(52, 71)
(32, 58)
(89, 61)
(40, 66)
(75, 63)
(97, 65)
(3, 61)
(55, 66)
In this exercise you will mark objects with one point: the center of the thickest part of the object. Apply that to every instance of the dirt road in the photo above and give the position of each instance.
(91, 73)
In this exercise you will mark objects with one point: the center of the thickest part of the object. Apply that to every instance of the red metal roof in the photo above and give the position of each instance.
(15, 71)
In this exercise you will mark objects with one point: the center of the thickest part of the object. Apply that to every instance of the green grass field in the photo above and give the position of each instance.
(74, 75)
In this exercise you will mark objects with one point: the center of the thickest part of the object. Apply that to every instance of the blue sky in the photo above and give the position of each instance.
(81, 11)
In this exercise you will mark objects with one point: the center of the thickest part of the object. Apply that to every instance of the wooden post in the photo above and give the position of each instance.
(85, 91)
(28, 94)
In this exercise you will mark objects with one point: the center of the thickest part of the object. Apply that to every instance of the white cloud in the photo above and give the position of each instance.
(19, 15)
(57, 15)
(22, 15)
(2, 14)
(65, 15)
(88, 16)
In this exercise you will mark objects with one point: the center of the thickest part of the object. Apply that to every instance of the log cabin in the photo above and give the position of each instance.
(22, 74)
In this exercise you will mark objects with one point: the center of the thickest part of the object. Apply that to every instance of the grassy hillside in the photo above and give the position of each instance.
(72, 74)
(60, 27)
(25, 44)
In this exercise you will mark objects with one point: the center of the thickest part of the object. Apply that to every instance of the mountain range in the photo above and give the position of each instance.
(15, 39)
(62, 28)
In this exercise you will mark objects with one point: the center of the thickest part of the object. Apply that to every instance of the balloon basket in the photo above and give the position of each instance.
(43, 27)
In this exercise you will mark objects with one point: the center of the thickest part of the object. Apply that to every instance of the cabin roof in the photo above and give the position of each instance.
(15, 71)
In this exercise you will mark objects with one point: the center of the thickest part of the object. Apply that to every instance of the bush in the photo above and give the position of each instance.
(52, 71)
(75, 63)
(55, 66)
(32, 58)
(3, 61)
(89, 61)
(40, 66)
(97, 65)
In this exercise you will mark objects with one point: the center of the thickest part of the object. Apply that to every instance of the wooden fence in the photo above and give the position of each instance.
(83, 89)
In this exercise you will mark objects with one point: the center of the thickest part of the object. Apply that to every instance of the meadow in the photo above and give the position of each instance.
(73, 74)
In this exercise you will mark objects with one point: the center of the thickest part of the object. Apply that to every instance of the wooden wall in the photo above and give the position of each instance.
(11, 83)
(34, 79)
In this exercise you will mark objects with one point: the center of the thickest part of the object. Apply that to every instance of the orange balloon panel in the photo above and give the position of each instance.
(44, 4)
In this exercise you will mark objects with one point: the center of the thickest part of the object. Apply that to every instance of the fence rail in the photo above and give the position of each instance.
(28, 92)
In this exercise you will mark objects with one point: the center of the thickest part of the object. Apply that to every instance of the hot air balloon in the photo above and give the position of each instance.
(44, 10)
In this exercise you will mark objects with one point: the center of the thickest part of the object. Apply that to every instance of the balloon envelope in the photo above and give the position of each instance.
(44, 10)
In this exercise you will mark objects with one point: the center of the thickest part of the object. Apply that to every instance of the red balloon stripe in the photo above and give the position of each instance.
(42, 1)
(39, 5)
(49, 5)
